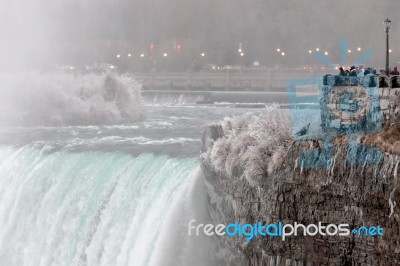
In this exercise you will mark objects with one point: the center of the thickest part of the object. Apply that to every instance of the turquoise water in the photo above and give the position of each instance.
(107, 194)
(88, 208)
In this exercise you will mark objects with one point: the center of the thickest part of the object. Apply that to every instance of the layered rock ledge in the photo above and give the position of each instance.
(357, 194)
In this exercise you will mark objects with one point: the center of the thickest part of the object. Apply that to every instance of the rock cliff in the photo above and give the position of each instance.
(360, 193)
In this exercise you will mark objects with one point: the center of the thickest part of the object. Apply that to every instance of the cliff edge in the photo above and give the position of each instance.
(255, 170)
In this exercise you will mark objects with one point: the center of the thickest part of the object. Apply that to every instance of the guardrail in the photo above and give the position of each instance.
(383, 81)
(270, 80)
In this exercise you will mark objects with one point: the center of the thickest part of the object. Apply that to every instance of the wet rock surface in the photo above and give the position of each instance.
(342, 192)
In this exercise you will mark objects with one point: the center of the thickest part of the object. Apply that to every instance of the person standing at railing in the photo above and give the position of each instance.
(353, 72)
(360, 72)
(342, 72)
(395, 72)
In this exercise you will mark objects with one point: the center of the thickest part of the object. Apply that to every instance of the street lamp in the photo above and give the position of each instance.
(387, 23)
(326, 53)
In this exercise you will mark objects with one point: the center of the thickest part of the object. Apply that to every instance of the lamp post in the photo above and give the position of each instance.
(386, 23)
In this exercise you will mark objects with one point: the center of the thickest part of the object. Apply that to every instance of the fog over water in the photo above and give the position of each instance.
(96, 168)
(44, 33)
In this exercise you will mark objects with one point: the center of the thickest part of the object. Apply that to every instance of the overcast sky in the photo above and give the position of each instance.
(46, 32)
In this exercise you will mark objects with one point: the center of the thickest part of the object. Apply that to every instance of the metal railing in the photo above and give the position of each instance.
(383, 80)
(268, 80)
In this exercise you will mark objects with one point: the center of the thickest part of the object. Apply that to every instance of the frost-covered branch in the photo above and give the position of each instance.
(256, 145)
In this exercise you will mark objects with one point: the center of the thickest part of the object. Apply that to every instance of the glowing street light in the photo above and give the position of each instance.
(283, 54)
(203, 54)
(326, 53)
(129, 55)
(165, 54)
(278, 50)
(241, 54)
(390, 50)
(349, 51)
(359, 49)
(142, 55)
(309, 51)
(118, 55)
(317, 49)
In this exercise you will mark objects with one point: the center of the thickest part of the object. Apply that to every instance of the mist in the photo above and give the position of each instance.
(43, 34)
(122, 121)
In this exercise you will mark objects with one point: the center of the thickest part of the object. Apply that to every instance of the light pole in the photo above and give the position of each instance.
(386, 23)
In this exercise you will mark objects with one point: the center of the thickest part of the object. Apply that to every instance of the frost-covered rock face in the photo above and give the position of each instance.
(253, 145)
(252, 173)
(345, 193)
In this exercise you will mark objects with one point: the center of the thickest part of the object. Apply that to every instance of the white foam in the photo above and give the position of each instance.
(54, 99)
